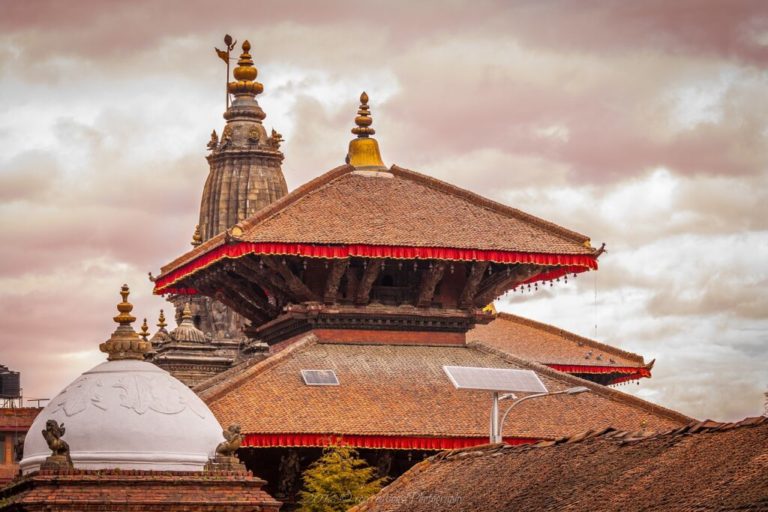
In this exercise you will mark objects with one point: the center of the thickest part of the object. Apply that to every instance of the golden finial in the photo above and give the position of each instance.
(363, 119)
(186, 314)
(161, 320)
(364, 151)
(125, 343)
(144, 330)
(197, 238)
(245, 74)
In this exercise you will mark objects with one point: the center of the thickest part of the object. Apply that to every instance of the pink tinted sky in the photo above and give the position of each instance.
(641, 124)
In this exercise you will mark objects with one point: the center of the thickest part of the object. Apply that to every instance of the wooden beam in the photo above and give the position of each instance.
(296, 286)
(338, 267)
(493, 286)
(230, 299)
(429, 281)
(371, 272)
(272, 282)
(476, 273)
(248, 290)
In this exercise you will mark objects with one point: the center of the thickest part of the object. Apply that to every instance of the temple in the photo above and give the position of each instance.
(245, 176)
(363, 284)
(135, 438)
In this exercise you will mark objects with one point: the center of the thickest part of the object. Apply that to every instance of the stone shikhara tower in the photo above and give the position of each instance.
(245, 176)
(245, 163)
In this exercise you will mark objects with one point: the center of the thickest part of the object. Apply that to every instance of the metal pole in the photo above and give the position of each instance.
(494, 437)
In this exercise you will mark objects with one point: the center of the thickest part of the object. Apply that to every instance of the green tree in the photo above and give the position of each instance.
(337, 481)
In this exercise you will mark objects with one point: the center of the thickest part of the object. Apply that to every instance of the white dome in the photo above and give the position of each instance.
(128, 414)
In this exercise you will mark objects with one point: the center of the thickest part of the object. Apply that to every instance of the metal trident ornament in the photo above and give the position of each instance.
(229, 44)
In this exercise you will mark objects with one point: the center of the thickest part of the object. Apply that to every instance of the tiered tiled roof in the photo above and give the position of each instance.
(559, 349)
(387, 392)
(702, 466)
(396, 213)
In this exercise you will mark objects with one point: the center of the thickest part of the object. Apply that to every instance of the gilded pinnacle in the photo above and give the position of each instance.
(144, 330)
(186, 314)
(363, 119)
(161, 320)
(197, 238)
(364, 151)
(245, 74)
(125, 343)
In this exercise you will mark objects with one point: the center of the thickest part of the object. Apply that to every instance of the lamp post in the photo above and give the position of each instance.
(497, 426)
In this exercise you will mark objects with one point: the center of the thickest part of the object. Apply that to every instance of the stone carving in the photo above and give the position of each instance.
(214, 142)
(219, 319)
(254, 135)
(226, 137)
(75, 399)
(226, 457)
(18, 448)
(142, 394)
(233, 440)
(59, 458)
(275, 140)
(290, 475)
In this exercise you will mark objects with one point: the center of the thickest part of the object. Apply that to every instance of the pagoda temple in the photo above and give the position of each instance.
(364, 283)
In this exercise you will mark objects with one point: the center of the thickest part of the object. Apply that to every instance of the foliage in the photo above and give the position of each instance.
(337, 481)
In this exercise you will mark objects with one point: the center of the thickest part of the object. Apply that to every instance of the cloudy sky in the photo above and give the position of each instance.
(641, 124)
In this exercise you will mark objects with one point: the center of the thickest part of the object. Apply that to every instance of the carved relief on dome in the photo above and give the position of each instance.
(138, 393)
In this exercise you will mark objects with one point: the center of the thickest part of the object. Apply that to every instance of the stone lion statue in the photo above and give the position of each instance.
(233, 440)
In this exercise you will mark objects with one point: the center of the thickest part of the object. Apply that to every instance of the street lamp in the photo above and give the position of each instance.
(500, 425)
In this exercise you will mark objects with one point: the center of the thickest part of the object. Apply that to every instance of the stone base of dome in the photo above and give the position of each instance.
(224, 463)
(78, 490)
(55, 462)
(122, 460)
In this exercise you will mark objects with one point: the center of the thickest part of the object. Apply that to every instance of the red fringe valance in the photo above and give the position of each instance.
(381, 442)
(570, 263)
(629, 372)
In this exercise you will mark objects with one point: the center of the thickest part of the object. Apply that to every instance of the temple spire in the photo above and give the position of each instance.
(125, 343)
(364, 151)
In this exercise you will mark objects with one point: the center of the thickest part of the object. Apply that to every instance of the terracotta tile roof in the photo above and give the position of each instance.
(397, 208)
(704, 466)
(548, 344)
(403, 391)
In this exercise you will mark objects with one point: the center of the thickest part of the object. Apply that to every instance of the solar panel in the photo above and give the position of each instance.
(319, 377)
(495, 379)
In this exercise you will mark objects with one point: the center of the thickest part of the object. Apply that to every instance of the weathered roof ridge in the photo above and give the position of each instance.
(490, 204)
(620, 436)
(571, 336)
(239, 373)
(226, 374)
(610, 393)
(262, 214)
(609, 434)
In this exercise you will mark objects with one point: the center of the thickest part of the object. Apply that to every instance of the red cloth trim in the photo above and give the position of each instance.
(629, 372)
(361, 441)
(570, 263)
